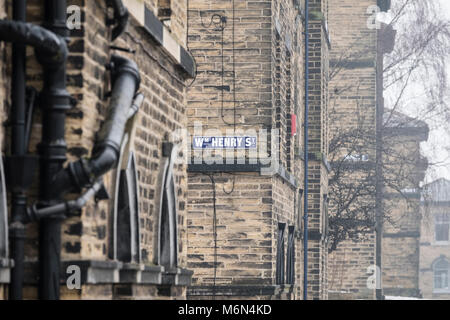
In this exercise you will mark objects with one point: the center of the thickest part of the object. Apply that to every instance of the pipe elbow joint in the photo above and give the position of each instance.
(84, 172)
(121, 17)
(50, 48)
(54, 59)
(124, 102)
(122, 22)
(106, 158)
(74, 177)
(122, 65)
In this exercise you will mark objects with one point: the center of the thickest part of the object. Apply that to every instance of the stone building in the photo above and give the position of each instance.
(434, 241)
(184, 208)
(354, 96)
(245, 226)
(372, 150)
(133, 245)
(403, 172)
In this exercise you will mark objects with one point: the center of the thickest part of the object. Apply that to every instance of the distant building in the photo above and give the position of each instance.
(404, 169)
(356, 100)
(245, 230)
(434, 273)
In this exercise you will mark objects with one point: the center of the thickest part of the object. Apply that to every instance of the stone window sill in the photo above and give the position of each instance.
(441, 243)
(240, 290)
(441, 291)
(114, 272)
(177, 277)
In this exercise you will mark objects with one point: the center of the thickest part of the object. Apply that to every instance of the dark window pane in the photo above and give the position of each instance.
(280, 254)
(441, 279)
(442, 231)
(127, 228)
(168, 247)
(290, 266)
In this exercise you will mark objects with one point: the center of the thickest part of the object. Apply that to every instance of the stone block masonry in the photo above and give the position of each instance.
(249, 57)
(88, 237)
(352, 110)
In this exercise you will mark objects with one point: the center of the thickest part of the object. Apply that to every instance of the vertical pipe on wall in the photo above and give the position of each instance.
(55, 101)
(18, 148)
(379, 170)
(305, 206)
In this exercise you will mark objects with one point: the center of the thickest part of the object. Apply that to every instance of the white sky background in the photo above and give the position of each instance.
(439, 137)
(437, 148)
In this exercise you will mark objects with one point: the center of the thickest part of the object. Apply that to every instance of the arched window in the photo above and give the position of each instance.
(290, 266)
(124, 242)
(3, 215)
(300, 213)
(127, 214)
(441, 274)
(167, 235)
(280, 266)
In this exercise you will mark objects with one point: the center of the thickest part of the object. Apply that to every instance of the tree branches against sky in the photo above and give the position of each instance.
(417, 73)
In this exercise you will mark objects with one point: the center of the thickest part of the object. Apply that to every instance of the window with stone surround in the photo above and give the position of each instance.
(124, 225)
(441, 227)
(290, 264)
(300, 212)
(126, 229)
(167, 233)
(440, 275)
(280, 279)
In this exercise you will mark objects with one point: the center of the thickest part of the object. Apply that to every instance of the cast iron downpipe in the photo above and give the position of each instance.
(18, 149)
(36, 214)
(84, 173)
(305, 194)
(54, 101)
(52, 51)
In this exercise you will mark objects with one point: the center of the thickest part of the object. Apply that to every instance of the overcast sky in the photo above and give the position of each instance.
(439, 139)
(437, 148)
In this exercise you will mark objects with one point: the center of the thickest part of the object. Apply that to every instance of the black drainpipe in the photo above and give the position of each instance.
(84, 173)
(18, 149)
(54, 101)
(53, 52)
(88, 173)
